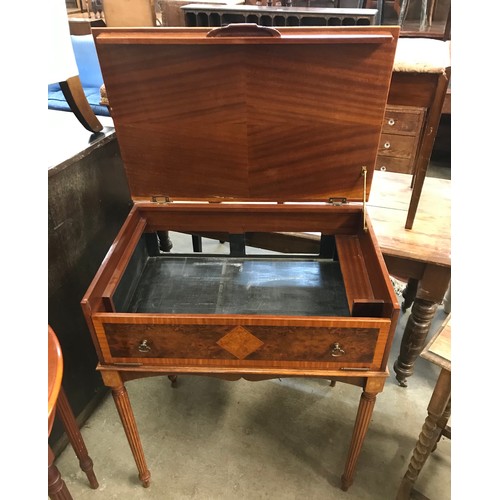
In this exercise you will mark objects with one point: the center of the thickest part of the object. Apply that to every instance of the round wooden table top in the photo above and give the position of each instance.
(55, 374)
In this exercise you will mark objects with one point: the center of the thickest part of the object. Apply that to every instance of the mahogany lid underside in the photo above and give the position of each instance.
(293, 118)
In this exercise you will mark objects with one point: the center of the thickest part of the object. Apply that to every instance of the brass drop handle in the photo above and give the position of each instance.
(144, 347)
(337, 350)
(391, 121)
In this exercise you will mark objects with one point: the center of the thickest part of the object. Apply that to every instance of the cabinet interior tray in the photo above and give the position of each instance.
(291, 286)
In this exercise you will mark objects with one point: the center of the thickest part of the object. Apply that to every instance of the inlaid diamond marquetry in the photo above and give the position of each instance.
(240, 342)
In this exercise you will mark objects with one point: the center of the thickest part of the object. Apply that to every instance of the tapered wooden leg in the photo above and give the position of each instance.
(365, 410)
(124, 408)
(57, 487)
(67, 417)
(77, 101)
(429, 435)
(413, 341)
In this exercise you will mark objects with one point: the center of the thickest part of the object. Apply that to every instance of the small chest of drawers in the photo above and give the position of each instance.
(400, 138)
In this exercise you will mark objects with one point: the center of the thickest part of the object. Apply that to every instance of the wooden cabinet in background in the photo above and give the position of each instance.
(400, 139)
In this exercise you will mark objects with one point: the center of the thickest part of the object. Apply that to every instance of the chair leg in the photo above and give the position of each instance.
(164, 240)
(67, 417)
(75, 96)
(429, 434)
(402, 12)
(197, 244)
(57, 487)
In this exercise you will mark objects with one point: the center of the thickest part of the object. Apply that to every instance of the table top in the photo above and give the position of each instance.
(430, 238)
(438, 350)
(72, 139)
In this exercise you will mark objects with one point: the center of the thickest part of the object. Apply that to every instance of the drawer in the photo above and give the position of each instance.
(241, 345)
(393, 164)
(401, 146)
(403, 119)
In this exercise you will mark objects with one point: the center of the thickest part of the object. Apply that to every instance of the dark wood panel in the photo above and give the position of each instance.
(394, 164)
(415, 89)
(403, 120)
(88, 200)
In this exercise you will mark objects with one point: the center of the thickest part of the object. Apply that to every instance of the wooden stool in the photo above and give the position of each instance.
(421, 74)
(437, 351)
(59, 402)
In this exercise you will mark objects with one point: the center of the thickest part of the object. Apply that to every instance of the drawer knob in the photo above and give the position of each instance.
(387, 145)
(391, 121)
(143, 346)
(337, 350)
(383, 168)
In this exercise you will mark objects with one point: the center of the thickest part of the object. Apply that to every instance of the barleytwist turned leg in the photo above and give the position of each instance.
(365, 410)
(124, 408)
(67, 417)
(429, 435)
(413, 341)
(442, 424)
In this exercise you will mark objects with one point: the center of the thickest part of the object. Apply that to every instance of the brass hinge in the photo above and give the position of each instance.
(160, 199)
(337, 201)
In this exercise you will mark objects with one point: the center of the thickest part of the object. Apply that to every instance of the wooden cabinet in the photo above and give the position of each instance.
(88, 201)
(199, 14)
(206, 152)
(400, 138)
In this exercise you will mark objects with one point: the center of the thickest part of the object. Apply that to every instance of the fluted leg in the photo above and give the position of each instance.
(67, 417)
(124, 408)
(429, 435)
(57, 487)
(365, 410)
(413, 341)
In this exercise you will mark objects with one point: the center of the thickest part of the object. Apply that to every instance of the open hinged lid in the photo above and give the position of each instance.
(247, 113)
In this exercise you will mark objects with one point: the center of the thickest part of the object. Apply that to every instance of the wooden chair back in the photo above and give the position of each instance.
(129, 13)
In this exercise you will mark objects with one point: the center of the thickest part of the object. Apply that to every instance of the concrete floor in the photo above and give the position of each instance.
(279, 439)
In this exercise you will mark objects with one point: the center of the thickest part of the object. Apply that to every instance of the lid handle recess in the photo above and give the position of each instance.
(244, 29)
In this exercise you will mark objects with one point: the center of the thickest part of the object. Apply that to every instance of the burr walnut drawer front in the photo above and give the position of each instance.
(236, 345)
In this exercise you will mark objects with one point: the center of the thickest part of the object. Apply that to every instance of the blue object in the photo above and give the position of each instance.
(89, 73)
